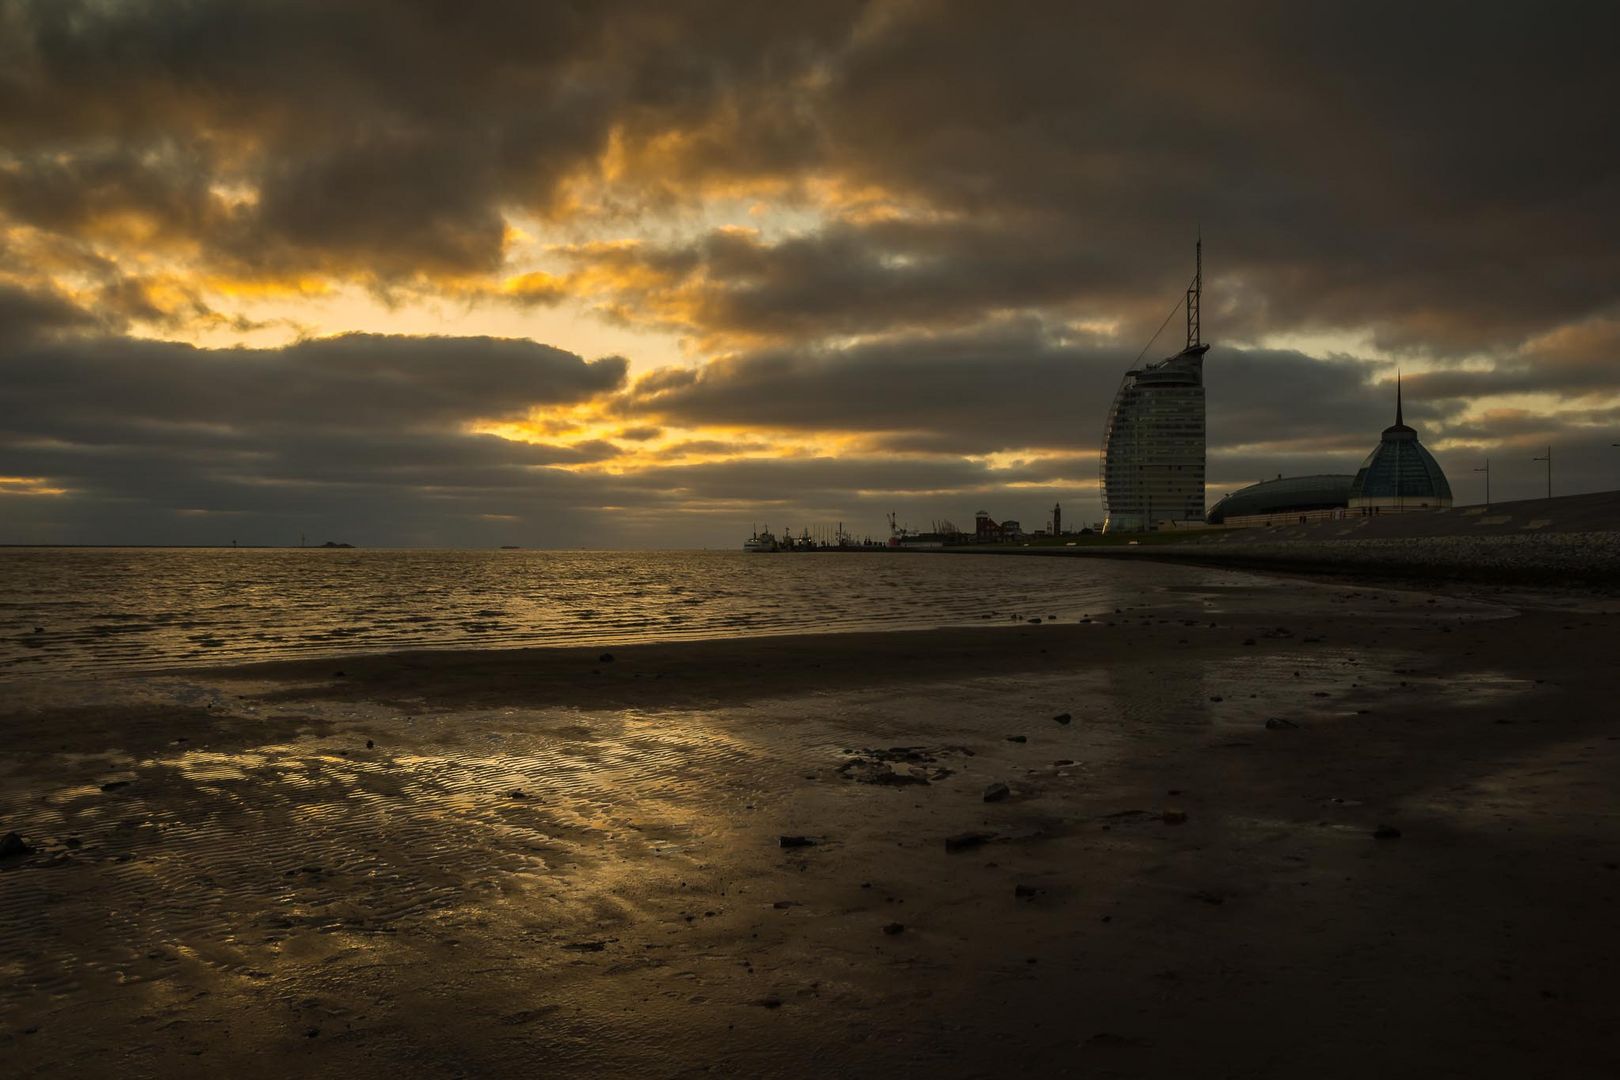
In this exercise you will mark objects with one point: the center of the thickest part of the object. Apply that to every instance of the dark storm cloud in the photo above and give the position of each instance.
(357, 381)
(384, 136)
(365, 429)
(1014, 384)
(1439, 175)
(28, 313)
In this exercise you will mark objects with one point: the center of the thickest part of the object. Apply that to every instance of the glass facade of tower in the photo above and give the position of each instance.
(1153, 446)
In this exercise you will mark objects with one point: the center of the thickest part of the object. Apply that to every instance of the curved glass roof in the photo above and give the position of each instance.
(1321, 491)
(1400, 468)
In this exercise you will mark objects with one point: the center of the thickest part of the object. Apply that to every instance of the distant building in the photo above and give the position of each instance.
(1057, 519)
(1153, 445)
(1400, 474)
(1294, 500)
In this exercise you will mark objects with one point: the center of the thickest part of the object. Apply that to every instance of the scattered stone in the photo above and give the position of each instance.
(1386, 832)
(13, 846)
(1062, 718)
(894, 928)
(114, 785)
(795, 841)
(968, 840)
(1036, 622)
(783, 905)
(586, 946)
(73, 842)
(1174, 817)
(1025, 892)
(769, 1001)
(517, 793)
(1062, 761)
(605, 658)
(891, 778)
(310, 1033)
(1277, 723)
(339, 675)
(997, 792)
(371, 744)
(1248, 641)
(1216, 698)
(1018, 738)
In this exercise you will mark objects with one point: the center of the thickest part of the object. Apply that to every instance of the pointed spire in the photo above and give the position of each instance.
(1398, 421)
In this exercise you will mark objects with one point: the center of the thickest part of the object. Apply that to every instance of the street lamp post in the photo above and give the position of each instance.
(1548, 460)
(1487, 471)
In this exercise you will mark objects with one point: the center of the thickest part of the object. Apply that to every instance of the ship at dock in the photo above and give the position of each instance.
(761, 542)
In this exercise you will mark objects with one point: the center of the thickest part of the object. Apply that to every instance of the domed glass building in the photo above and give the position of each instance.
(1399, 474)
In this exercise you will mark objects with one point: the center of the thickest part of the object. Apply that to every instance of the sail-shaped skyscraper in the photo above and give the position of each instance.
(1153, 445)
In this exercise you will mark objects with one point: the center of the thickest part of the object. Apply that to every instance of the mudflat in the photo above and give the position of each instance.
(1346, 832)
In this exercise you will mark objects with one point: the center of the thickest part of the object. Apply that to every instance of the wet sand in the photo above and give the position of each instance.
(547, 863)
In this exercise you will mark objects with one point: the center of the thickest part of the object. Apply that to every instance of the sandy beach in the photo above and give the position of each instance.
(1349, 832)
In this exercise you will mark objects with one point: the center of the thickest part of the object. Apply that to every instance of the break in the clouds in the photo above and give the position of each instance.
(270, 267)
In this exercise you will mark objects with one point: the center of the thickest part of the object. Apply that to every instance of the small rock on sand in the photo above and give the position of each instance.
(968, 840)
(1062, 718)
(1277, 723)
(894, 928)
(1386, 832)
(1025, 892)
(605, 658)
(795, 841)
(371, 744)
(114, 785)
(1174, 817)
(996, 792)
(13, 846)
(1018, 738)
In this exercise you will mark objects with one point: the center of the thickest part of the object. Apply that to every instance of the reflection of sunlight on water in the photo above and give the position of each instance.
(140, 609)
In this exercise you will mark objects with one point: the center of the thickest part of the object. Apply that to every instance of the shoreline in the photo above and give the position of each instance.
(577, 863)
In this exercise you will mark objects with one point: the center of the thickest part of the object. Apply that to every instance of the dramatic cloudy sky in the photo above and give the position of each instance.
(640, 273)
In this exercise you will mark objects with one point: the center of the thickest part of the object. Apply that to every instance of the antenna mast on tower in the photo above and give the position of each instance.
(1194, 292)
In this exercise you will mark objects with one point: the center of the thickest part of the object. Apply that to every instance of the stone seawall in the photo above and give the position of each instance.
(1589, 559)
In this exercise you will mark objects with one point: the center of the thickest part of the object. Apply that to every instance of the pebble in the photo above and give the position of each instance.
(967, 840)
(1018, 738)
(1386, 832)
(795, 841)
(1277, 723)
(894, 928)
(996, 792)
(1062, 718)
(605, 658)
(13, 846)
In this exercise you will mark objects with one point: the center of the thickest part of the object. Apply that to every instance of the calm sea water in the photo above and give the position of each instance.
(132, 608)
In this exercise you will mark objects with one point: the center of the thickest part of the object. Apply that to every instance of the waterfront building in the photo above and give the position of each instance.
(1153, 444)
(1292, 500)
(1400, 474)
